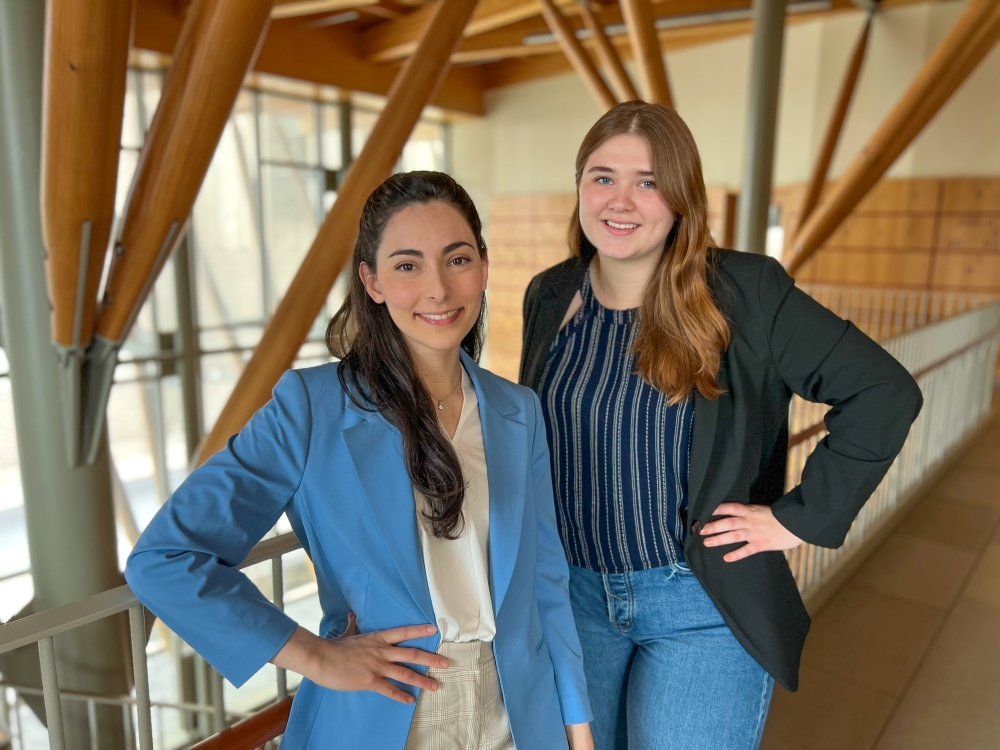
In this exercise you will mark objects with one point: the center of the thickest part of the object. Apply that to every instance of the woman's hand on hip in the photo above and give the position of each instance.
(579, 737)
(753, 524)
(354, 662)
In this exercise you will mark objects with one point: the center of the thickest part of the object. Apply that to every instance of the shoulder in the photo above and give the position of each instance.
(744, 282)
(317, 388)
(570, 271)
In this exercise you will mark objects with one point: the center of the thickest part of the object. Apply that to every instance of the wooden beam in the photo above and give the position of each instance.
(396, 40)
(578, 56)
(547, 60)
(296, 8)
(608, 56)
(822, 167)
(322, 55)
(216, 47)
(86, 56)
(970, 39)
(334, 242)
(639, 18)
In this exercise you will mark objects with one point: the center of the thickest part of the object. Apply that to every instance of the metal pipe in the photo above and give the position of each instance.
(137, 632)
(50, 688)
(188, 343)
(762, 116)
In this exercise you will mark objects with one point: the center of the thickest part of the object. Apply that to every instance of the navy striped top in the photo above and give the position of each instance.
(619, 453)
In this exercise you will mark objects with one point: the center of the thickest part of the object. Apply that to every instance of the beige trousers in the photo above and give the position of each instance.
(467, 711)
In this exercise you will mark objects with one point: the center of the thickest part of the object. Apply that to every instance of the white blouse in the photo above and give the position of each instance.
(458, 570)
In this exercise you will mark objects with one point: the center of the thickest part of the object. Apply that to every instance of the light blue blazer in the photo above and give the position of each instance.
(337, 471)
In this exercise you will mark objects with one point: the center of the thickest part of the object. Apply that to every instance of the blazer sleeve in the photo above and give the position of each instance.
(552, 586)
(183, 566)
(873, 401)
(527, 323)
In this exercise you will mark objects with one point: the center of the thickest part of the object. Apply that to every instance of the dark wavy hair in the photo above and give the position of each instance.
(376, 368)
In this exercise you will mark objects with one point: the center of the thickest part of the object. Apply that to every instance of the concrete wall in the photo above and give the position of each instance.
(527, 142)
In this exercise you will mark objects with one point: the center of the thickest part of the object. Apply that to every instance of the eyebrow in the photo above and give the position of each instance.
(609, 170)
(412, 252)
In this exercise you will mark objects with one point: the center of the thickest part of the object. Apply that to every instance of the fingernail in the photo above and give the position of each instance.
(431, 629)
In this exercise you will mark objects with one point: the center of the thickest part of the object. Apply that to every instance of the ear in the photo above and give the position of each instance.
(486, 270)
(370, 280)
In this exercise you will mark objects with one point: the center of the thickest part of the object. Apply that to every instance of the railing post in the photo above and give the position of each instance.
(218, 701)
(137, 631)
(278, 584)
(50, 688)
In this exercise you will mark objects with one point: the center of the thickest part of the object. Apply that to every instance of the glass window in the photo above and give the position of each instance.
(288, 130)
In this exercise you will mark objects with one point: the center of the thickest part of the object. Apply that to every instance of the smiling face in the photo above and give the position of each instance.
(430, 276)
(621, 210)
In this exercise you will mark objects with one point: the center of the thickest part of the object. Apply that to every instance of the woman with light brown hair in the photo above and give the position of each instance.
(664, 368)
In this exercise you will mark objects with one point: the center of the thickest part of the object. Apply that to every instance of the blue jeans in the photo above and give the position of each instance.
(664, 671)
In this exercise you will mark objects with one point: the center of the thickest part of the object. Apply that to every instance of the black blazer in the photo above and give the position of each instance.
(782, 342)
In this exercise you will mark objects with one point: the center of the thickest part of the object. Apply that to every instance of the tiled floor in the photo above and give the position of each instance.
(906, 656)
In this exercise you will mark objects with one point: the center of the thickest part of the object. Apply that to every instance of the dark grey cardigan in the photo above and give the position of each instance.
(782, 342)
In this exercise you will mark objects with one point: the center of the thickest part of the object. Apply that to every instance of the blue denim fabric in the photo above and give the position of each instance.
(663, 669)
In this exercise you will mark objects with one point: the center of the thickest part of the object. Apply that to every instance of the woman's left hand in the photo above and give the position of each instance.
(753, 524)
(579, 737)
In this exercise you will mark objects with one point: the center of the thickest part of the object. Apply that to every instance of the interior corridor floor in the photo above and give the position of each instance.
(906, 656)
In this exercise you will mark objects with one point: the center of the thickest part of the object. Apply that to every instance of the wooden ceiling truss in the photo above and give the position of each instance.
(973, 35)
(836, 125)
(608, 55)
(577, 56)
(646, 50)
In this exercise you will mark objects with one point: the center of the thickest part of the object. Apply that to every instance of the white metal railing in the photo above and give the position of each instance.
(885, 312)
(953, 362)
(42, 628)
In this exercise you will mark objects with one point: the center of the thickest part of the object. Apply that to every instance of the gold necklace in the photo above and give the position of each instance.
(440, 405)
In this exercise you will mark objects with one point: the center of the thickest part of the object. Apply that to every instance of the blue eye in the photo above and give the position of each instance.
(604, 180)
(648, 183)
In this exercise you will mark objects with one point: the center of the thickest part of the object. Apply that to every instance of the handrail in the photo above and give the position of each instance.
(33, 628)
(253, 731)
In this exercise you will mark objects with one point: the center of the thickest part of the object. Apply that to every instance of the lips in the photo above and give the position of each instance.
(440, 319)
(620, 228)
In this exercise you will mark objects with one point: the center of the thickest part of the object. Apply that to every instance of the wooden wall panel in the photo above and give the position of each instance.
(934, 234)
(527, 235)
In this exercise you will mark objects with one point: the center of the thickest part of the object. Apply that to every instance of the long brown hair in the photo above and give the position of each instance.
(376, 368)
(682, 333)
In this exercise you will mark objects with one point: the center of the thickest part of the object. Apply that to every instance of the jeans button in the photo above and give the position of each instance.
(696, 527)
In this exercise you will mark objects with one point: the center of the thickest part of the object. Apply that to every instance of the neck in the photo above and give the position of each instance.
(620, 284)
(438, 370)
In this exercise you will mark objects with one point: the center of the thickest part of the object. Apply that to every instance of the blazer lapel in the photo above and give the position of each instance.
(376, 449)
(506, 442)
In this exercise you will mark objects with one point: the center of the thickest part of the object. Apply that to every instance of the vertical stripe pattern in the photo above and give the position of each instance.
(619, 452)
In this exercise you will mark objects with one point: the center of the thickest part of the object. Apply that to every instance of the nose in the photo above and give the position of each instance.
(437, 285)
(621, 199)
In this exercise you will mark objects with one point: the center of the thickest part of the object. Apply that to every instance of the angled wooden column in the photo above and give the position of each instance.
(836, 125)
(217, 45)
(577, 55)
(413, 87)
(608, 55)
(639, 18)
(86, 58)
(969, 40)
(85, 63)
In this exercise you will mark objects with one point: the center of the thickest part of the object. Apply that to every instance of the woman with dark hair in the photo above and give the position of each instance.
(419, 486)
(665, 368)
